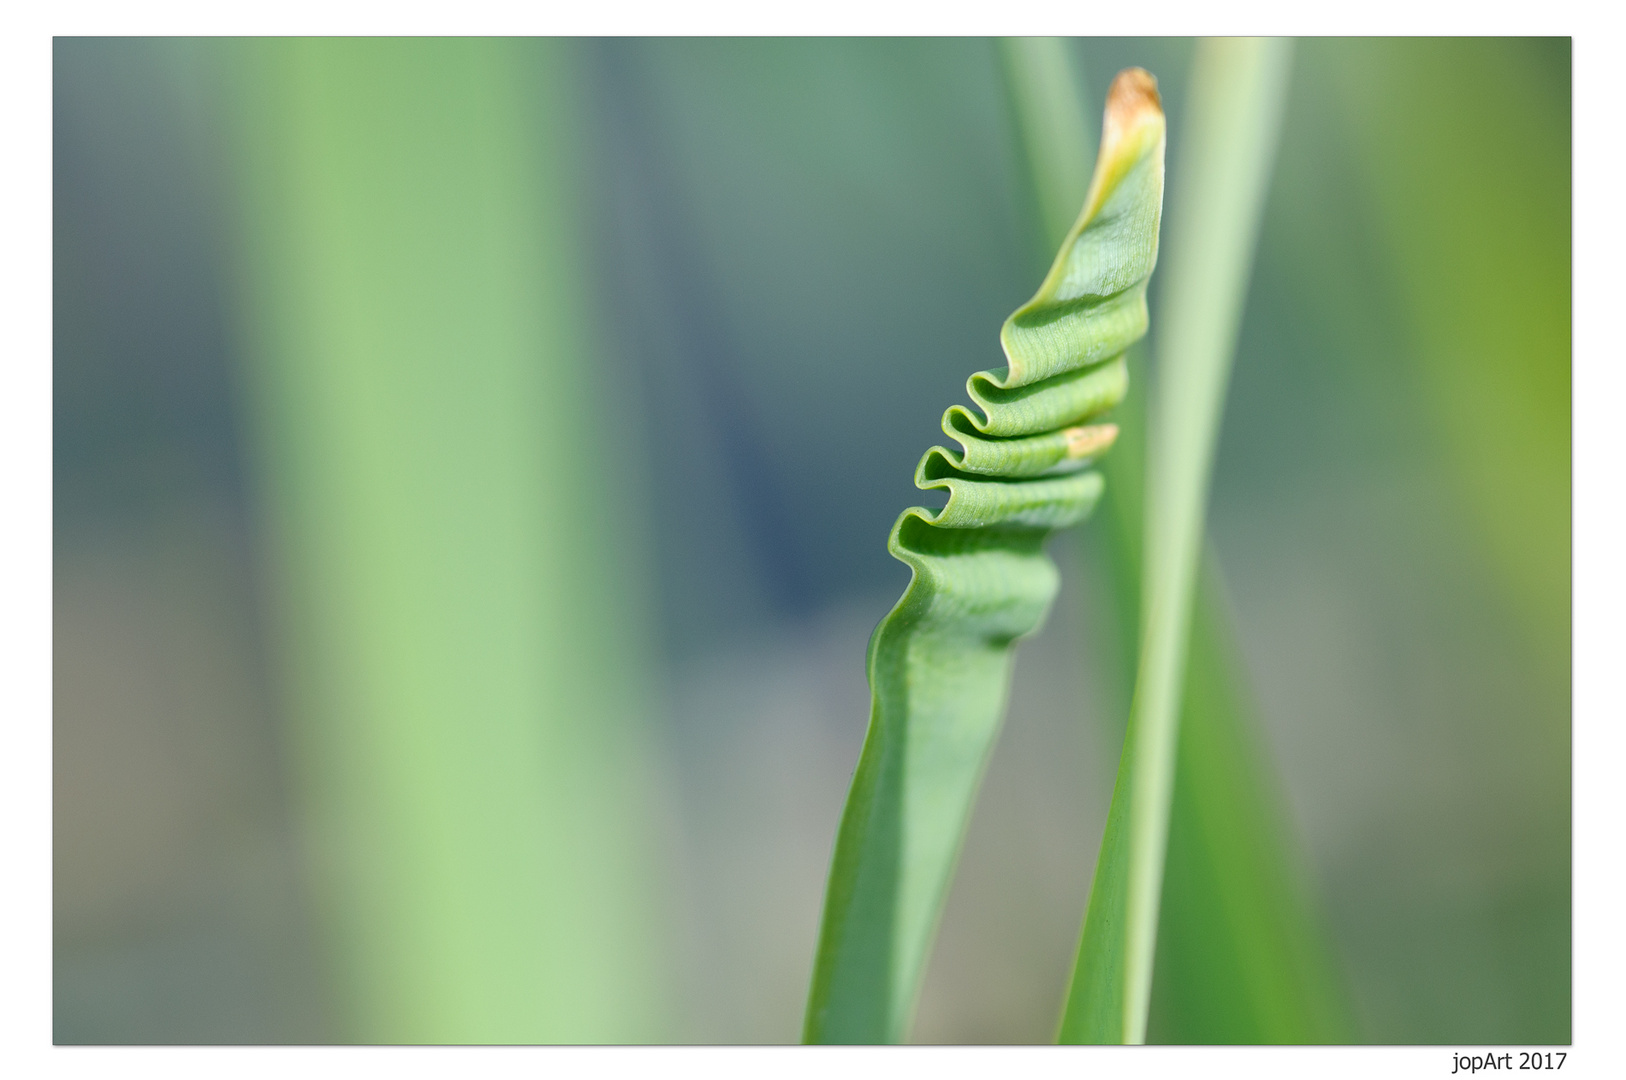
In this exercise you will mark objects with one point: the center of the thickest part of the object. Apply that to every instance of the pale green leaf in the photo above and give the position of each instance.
(460, 659)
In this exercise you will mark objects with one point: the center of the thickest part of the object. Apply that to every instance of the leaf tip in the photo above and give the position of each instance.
(1132, 99)
(1134, 111)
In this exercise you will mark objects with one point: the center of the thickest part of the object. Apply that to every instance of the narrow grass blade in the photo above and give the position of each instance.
(939, 663)
(1054, 123)
(1237, 94)
(462, 664)
(1242, 956)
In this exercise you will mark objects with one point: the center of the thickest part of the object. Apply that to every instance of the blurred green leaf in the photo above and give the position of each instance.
(1463, 158)
(939, 663)
(1241, 954)
(1477, 119)
(463, 660)
(1055, 125)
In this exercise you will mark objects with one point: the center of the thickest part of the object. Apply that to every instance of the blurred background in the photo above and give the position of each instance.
(473, 463)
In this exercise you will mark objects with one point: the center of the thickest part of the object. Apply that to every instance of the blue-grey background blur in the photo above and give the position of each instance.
(809, 246)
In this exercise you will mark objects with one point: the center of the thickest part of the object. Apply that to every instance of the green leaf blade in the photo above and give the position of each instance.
(939, 664)
(1242, 957)
(459, 648)
(1238, 88)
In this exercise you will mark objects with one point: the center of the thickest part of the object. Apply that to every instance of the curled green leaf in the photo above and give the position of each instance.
(939, 663)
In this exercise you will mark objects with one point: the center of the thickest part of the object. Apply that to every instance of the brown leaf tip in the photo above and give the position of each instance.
(1132, 101)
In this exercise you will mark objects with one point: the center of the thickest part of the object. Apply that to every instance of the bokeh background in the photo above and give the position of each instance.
(473, 462)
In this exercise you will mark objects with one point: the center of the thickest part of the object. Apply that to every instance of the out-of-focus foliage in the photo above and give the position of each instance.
(1056, 127)
(1242, 950)
(1420, 209)
(1463, 148)
(464, 665)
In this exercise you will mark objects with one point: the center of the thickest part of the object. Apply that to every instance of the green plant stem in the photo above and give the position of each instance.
(1237, 94)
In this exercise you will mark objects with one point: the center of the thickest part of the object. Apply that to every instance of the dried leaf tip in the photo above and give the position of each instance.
(1131, 127)
(1132, 102)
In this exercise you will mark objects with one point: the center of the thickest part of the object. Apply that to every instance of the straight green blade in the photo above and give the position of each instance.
(1237, 93)
(462, 659)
